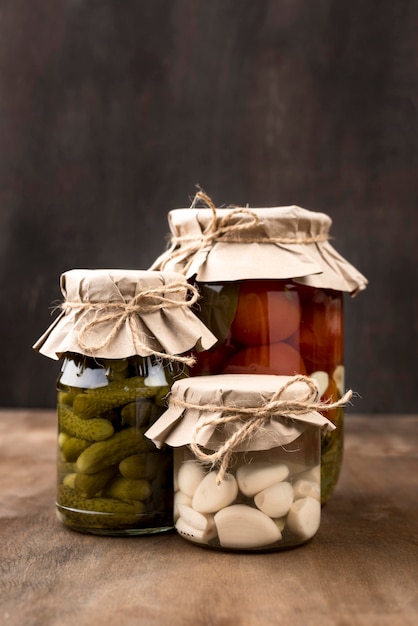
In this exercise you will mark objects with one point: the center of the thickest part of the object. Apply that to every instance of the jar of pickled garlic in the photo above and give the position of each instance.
(123, 338)
(272, 291)
(246, 459)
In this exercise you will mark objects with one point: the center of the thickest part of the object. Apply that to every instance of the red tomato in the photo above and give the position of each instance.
(277, 358)
(266, 313)
(321, 332)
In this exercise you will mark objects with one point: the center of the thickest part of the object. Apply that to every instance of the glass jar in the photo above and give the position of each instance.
(280, 327)
(268, 500)
(272, 292)
(247, 459)
(123, 337)
(111, 479)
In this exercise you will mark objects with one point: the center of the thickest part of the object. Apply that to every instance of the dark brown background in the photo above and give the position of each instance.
(112, 111)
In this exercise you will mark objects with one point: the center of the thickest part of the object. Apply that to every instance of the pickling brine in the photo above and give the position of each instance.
(112, 479)
(268, 500)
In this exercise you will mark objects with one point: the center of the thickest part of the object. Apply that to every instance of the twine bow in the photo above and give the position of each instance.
(250, 419)
(226, 229)
(120, 312)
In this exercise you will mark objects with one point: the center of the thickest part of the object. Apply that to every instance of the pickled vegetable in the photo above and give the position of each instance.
(332, 446)
(278, 358)
(72, 447)
(140, 465)
(128, 489)
(260, 303)
(117, 393)
(96, 429)
(89, 485)
(140, 413)
(124, 486)
(89, 512)
(102, 454)
(268, 499)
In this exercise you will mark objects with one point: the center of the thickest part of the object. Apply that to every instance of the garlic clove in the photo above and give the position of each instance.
(303, 488)
(240, 526)
(338, 376)
(180, 498)
(322, 379)
(193, 518)
(210, 497)
(304, 517)
(275, 501)
(194, 534)
(255, 477)
(189, 476)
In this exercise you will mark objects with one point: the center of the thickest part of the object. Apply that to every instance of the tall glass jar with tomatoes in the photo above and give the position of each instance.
(272, 291)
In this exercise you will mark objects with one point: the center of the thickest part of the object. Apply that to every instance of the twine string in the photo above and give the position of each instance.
(250, 419)
(120, 312)
(226, 229)
(217, 229)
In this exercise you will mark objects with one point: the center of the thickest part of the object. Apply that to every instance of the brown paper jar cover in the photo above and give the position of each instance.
(257, 243)
(164, 324)
(177, 424)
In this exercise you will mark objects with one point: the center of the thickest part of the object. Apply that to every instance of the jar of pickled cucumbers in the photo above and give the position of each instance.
(272, 291)
(123, 338)
(246, 459)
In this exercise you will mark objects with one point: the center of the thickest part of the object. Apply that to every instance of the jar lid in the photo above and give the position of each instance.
(238, 243)
(257, 412)
(119, 313)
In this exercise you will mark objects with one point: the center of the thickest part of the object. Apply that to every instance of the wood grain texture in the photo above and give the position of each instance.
(112, 112)
(359, 570)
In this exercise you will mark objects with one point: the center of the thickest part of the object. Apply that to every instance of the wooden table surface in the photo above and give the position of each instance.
(360, 569)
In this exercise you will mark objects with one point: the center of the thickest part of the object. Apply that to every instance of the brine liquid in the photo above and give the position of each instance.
(267, 500)
(111, 478)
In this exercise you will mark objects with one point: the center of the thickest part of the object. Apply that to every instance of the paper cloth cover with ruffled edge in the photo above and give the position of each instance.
(172, 329)
(281, 243)
(178, 423)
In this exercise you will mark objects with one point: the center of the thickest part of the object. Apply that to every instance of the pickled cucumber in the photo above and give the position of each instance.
(140, 413)
(78, 510)
(332, 446)
(117, 393)
(69, 480)
(67, 397)
(62, 439)
(72, 447)
(89, 485)
(128, 489)
(140, 465)
(102, 454)
(96, 429)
